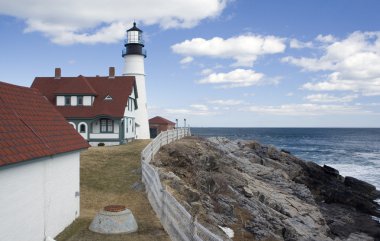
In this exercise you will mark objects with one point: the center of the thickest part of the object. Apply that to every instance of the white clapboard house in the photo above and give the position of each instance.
(101, 108)
(39, 166)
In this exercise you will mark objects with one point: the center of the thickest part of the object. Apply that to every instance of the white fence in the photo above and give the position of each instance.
(179, 224)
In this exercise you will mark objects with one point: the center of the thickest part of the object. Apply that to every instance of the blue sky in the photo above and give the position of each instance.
(241, 63)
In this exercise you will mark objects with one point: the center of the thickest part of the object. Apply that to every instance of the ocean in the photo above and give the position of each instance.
(353, 151)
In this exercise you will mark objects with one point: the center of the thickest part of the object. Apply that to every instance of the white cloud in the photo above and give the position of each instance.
(186, 60)
(307, 110)
(326, 98)
(96, 21)
(235, 78)
(326, 38)
(244, 49)
(199, 107)
(289, 94)
(296, 44)
(353, 64)
(193, 110)
(206, 71)
(229, 102)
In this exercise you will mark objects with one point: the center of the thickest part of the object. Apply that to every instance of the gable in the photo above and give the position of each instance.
(119, 88)
(161, 121)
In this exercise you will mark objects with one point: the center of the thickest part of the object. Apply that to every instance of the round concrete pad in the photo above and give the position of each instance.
(114, 222)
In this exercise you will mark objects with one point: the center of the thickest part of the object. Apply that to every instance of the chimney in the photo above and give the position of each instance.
(111, 72)
(57, 73)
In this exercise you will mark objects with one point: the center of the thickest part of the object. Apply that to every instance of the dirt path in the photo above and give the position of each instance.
(107, 174)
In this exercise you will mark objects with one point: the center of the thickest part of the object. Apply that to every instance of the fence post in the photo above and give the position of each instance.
(152, 151)
(163, 203)
(194, 218)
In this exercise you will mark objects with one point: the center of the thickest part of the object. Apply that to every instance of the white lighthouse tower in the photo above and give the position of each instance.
(134, 54)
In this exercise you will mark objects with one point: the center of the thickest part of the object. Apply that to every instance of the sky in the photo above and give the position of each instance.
(215, 63)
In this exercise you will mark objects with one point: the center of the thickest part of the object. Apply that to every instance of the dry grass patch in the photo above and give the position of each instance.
(107, 174)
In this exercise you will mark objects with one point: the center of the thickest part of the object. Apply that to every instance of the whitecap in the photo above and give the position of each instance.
(366, 173)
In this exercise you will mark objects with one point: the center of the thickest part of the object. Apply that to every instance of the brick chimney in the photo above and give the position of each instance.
(111, 72)
(57, 73)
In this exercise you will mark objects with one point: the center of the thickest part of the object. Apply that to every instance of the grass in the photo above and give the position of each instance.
(107, 174)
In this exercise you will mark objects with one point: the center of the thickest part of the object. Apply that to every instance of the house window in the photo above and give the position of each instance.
(67, 100)
(106, 125)
(80, 100)
(82, 128)
(130, 104)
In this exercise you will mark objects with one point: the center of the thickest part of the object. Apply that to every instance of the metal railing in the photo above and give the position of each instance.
(126, 51)
(176, 220)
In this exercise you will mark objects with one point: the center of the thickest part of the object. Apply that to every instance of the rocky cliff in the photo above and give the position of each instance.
(262, 193)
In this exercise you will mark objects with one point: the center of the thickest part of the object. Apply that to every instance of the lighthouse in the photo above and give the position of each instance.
(134, 55)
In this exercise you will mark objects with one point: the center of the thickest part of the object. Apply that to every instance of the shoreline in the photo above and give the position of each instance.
(274, 191)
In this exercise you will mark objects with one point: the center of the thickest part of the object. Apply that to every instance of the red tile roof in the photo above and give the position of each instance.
(119, 88)
(160, 120)
(30, 127)
(76, 85)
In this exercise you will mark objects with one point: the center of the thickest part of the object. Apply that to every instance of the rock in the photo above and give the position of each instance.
(285, 151)
(330, 170)
(359, 185)
(359, 236)
(265, 193)
(247, 192)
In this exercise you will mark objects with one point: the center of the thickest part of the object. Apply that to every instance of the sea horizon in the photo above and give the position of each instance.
(352, 151)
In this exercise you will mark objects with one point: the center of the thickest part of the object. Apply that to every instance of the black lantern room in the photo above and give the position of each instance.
(134, 44)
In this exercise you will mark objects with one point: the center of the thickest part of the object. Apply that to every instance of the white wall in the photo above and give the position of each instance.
(134, 64)
(96, 126)
(116, 127)
(104, 136)
(60, 100)
(38, 198)
(141, 114)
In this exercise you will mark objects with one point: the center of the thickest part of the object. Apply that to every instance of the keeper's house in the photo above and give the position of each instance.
(101, 108)
(39, 166)
(159, 124)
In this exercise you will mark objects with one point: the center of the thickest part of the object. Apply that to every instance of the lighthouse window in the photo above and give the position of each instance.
(133, 36)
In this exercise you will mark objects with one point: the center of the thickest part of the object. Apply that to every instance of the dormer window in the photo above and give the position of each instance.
(80, 100)
(67, 100)
(108, 97)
